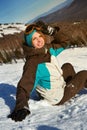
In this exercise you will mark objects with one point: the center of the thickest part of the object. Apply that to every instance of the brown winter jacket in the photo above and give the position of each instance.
(26, 83)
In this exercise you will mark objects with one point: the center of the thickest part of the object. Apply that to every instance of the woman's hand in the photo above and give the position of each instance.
(19, 115)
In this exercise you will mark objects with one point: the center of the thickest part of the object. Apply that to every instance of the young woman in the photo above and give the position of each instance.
(42, 73)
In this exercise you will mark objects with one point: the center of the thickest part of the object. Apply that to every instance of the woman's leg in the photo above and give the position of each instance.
(68, 72)
(74, 86)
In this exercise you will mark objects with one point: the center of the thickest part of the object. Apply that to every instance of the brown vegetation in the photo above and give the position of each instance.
(11, 47)
(72, 33)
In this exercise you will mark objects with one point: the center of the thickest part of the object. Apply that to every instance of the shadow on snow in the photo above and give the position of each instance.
(44, 127)
(8, 92)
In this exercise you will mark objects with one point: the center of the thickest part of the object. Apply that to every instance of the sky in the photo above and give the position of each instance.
(24, 10)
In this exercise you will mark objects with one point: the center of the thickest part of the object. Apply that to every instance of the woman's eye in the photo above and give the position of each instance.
(34, 38)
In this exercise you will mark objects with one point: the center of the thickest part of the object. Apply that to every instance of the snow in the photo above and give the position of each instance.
(11, 28)
(70, 116)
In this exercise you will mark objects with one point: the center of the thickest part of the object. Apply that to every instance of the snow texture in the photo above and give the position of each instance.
(70, 116)
(6, 29)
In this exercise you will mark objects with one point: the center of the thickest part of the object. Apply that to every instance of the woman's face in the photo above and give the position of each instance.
(38, 40)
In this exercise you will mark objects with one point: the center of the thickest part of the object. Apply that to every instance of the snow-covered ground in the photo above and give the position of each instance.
(11, 28)
(70, 116)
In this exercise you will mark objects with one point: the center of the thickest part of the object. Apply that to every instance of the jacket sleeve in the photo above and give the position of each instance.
(56, 52)
(56, 45)
(27, 80)
(26, 83)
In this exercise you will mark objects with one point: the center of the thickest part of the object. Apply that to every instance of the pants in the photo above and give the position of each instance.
(74, 82)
